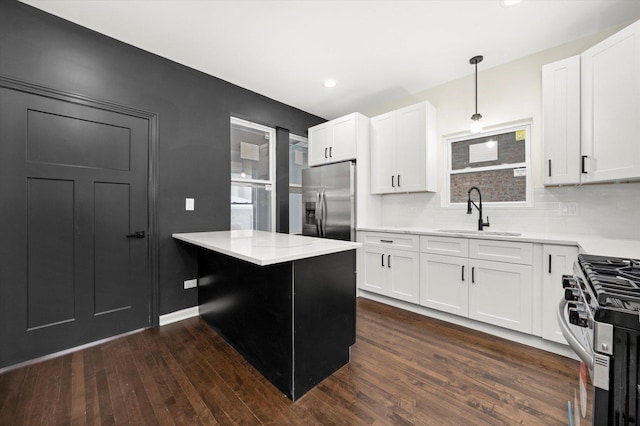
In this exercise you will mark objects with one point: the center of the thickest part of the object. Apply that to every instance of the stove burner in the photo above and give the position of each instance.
(615, 281)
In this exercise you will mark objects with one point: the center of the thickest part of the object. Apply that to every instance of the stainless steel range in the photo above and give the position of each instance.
(600, 318)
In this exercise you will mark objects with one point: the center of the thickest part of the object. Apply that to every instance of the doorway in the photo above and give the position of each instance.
(77, 186)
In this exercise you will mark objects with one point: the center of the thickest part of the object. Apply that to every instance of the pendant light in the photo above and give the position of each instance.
(476, 125)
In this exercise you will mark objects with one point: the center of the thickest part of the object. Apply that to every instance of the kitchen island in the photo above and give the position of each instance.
(285, 302)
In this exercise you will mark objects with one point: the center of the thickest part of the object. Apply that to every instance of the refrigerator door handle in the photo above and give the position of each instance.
(323, 224)
(318, 212)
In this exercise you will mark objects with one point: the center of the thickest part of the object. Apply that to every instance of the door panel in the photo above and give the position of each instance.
(443, 283)
(73, 184)
(404, 271)
(50, 255)
(375, 270)
(338, 192)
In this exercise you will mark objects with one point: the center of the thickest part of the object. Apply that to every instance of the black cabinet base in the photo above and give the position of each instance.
(293, 321)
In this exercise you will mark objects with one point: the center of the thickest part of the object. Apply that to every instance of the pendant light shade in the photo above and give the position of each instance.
(476, 125)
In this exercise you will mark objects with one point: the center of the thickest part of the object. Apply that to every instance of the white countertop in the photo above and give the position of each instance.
(265, 248)
(587, 244)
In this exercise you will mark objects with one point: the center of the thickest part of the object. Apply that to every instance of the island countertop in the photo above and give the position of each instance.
(265, 248)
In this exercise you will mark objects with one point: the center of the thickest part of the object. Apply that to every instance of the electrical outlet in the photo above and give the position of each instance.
(568, 209)
(190, 283)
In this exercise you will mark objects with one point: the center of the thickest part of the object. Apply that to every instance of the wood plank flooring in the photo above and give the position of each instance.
(405, 369)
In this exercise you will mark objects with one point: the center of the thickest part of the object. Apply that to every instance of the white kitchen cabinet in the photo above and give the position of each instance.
(390, 265)
(485, 280)
(561, 121)
(610, 73)
(500, 294)
(337, 140)
(403, 150)
(444, 283)
(557, 261)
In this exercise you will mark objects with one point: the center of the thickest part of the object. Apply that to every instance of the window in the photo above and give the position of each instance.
(497, 162)
(252, 176)
(298, 160)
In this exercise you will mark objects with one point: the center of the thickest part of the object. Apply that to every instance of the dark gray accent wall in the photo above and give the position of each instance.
(193, 108)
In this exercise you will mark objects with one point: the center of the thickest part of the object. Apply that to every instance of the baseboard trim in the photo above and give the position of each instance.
(179, 315)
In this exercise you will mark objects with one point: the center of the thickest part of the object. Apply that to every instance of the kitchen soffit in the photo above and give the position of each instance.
(378, 51)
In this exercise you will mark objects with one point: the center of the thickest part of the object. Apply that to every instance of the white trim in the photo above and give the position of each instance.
(179, 315)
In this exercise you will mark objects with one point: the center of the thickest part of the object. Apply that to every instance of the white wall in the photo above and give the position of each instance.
(506, 94)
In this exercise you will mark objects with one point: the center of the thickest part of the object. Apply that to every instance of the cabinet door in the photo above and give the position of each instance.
(561, 121)
(375, 270)
(344, 139)
(611, 107)
(444, 283)
(558, 260)
(404, 271)
(411, 149)
(319, 139)
(383, 153)
(501, 294)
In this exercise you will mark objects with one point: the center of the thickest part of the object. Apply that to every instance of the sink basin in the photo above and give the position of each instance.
(472, 232)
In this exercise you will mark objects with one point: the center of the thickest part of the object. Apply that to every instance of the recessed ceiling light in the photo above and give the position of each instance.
(330, 83)
(507, 3)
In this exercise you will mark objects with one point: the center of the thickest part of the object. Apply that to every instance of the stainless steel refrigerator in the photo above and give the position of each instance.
(329, 201)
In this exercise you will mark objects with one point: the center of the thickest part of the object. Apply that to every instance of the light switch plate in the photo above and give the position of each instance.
(190, 283)
(568, 209)
(189, 204)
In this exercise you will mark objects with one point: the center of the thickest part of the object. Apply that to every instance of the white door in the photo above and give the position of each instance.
(444, 283)
(611, 107)
(375, 270)
(558, 260)
(319, 139)
(561, 121)
(411, 149)
(501, 294)
(344, 139)
(404, 271)
(383, 153)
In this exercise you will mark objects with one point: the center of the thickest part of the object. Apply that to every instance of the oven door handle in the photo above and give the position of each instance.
(585, 354)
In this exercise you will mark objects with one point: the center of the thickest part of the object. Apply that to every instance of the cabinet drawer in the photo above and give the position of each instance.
(501, 251)
(396, 241)
(444, 245)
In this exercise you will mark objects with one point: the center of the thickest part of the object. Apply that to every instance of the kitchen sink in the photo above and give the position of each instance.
(468, 231)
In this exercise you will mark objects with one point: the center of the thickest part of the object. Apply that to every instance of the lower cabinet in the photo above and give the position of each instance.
(495, 292)
(444, 283)
(501, 293)
(558, 261)
(391, 272)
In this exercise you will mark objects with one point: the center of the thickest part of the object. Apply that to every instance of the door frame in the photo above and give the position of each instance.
(152, 178)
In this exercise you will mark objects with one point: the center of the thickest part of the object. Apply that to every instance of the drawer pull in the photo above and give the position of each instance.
(387, 241)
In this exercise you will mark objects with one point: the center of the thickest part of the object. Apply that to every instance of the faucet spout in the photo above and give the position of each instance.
(481, 223)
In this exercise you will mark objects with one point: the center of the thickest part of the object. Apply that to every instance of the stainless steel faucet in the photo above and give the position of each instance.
(481, 224)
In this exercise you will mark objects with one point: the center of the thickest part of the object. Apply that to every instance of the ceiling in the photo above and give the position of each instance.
(378, 51)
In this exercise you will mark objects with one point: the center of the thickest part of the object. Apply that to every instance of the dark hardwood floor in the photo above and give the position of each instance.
(405, 369)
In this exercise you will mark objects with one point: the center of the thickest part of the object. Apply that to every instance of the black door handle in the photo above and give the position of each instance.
(137, 234)
(382, 259)
(462, 272)
(389, 261)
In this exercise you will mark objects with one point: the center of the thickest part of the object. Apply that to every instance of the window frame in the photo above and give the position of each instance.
(296, 188)
(449, 141)
(268, 185)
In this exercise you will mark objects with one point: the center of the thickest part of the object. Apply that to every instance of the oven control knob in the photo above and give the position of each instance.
(578, 318)
(568, 281)
(571, 294)
(587, 297)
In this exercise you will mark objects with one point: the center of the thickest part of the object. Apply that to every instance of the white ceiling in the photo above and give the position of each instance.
(377, 50)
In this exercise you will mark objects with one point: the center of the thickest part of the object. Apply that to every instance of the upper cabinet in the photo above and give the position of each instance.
(561, 121)
(611, 107)
(591, 105)
(336, 140)
(403, 150)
